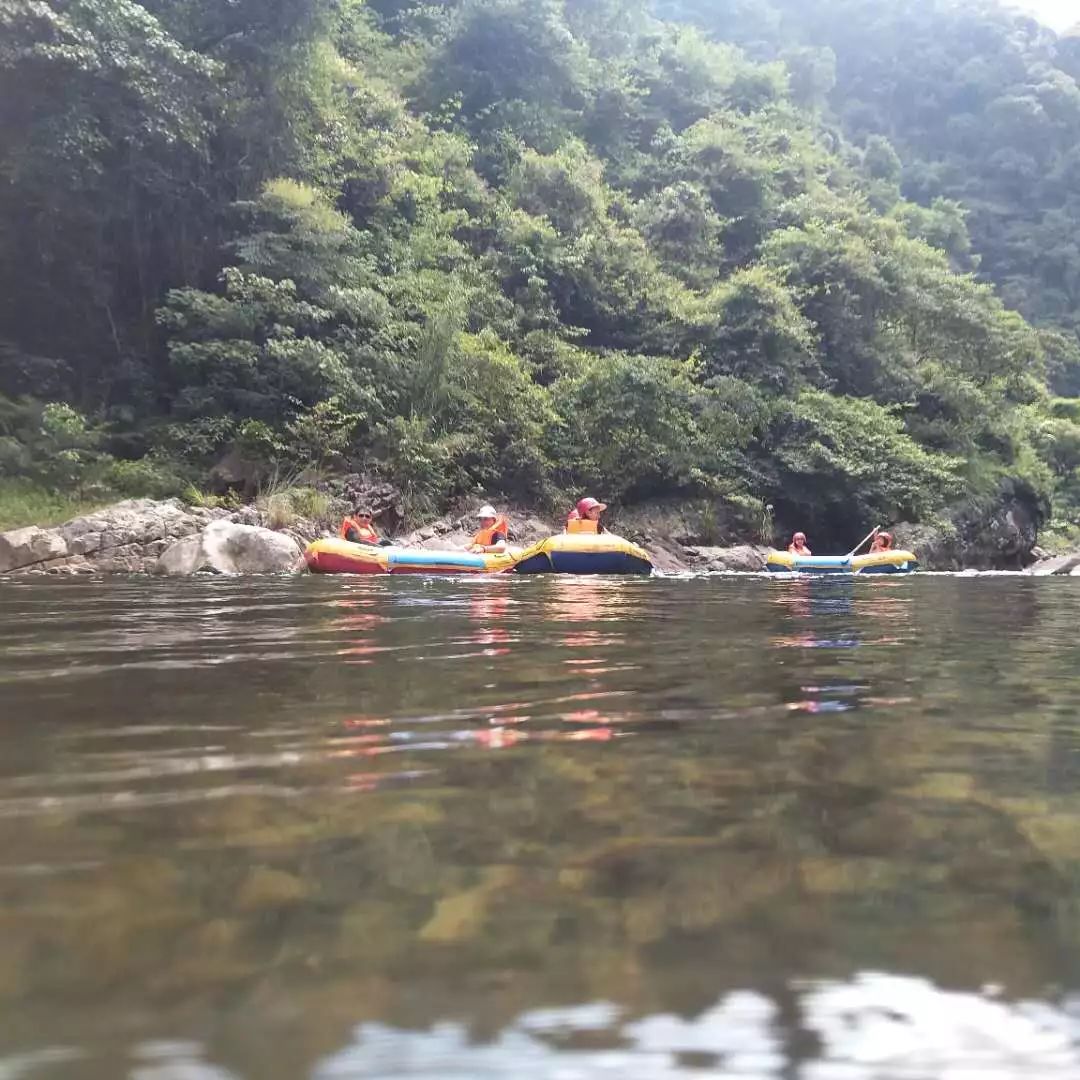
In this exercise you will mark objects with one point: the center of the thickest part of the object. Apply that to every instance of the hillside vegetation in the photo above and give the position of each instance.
(539, 246)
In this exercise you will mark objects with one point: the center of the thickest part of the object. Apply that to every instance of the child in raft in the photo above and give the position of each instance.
(798, 545)
(585, 517)
(493, 533)
(882, 542)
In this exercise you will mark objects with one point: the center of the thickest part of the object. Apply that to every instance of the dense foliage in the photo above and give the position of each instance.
(969, 109)
(528, 246)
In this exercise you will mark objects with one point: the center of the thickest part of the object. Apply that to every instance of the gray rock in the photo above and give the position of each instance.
(84, 543)
(26, 547)
(225, 547)
(182, 559)
(1059, 565)
(743, 558)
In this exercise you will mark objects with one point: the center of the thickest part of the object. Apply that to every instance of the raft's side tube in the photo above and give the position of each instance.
(333, 556)
(886, 562)
(584, 553)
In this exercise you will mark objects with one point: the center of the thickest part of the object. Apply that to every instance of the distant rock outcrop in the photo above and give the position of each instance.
(128, 537)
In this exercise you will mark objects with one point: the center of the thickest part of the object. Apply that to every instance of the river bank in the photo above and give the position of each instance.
(172, 538)
(169, 537)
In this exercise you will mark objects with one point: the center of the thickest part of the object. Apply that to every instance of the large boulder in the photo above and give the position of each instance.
(1056, 565)
(998, 534)
(29, 547)
(134, 522)
(742, 558)
(225, 547)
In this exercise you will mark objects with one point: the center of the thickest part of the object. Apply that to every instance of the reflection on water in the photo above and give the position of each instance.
(885, 1026)
(540, 828)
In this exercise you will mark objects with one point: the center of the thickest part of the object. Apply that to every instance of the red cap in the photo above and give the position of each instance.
(589, 503)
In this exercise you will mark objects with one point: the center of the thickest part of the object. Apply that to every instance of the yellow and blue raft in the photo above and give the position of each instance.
(333, 556)
(564, 553)
(876, 562)
(583, 553)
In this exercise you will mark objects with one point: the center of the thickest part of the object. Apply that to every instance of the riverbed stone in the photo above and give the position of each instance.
(28, 547)
(266, 887)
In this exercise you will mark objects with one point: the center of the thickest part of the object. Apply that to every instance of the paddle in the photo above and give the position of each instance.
(869, 536)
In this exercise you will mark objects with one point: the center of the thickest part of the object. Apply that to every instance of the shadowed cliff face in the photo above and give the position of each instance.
(357, 828)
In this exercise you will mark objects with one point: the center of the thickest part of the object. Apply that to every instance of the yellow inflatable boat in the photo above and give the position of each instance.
(564, 553)
(877, 562)
(333, 556)
(583, 553)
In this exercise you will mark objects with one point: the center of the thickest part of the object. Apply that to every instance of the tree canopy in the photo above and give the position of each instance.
(817, 254)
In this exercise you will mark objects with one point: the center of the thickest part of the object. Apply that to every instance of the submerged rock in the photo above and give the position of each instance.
(265, 888)
(225, 547)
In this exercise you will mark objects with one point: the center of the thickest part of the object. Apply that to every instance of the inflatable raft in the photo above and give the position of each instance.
(333, 556)
(878, 562)
(564, 553)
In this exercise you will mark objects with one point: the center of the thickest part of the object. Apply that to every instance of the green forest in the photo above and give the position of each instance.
(818, 255)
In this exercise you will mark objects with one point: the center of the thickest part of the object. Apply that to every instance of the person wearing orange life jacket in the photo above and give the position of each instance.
(798, 545)
(882, 542)
(585, 517)
(357, 529)
(493, 533)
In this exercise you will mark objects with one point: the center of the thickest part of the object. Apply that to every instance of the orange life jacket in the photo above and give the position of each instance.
(366, 534)
(582, 525)
(486, 537)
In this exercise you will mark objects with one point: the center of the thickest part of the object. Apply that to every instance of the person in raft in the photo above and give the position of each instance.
(585, 517)
(882, 542)
(798, 545)
(493, 534)
(357, 529)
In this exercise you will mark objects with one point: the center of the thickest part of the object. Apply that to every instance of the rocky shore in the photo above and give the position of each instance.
(171, 538)
(168, 537)
(139, 536)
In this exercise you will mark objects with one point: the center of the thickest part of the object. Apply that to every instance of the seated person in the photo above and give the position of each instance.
(585, 517)
(882, 542)
(358, 529)
(493, 534)
(798, 545)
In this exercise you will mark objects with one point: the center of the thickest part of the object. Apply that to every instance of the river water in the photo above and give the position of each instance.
(540, 828)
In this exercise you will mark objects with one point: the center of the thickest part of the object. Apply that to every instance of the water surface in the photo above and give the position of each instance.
(551, 828)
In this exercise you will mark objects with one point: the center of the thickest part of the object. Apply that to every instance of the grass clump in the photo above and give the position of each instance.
(285, 503)
(24, 503)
